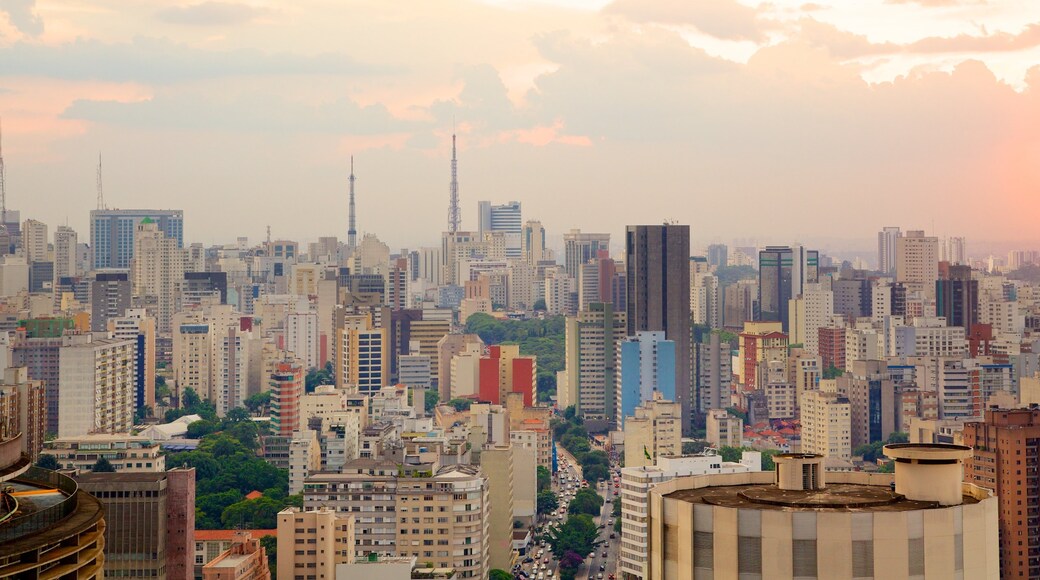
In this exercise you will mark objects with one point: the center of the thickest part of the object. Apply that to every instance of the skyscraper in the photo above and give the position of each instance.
(886, 239)
(112, 233)
(657, 259)
(957, 296)
(157, 269)
(783, 272)
(917, 262)
(579, 248)
(505, 218)
(533, 242)
(65, 242)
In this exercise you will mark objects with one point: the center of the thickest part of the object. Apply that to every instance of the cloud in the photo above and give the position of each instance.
(210, 14)
(150, 60)
(936, 3)
(850, 45)
(725, 19)
(252, 113)
(22, 14)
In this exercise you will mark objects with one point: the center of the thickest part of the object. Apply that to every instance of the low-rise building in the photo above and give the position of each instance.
(724, 429)
(245, 559)
(127, 453)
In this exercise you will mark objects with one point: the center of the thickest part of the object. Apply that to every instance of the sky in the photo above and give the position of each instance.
(761, 121)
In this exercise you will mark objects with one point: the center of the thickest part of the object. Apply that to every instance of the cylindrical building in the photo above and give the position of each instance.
(799, 522)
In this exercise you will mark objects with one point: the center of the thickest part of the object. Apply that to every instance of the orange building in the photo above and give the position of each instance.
(287, 383)
(246, 559)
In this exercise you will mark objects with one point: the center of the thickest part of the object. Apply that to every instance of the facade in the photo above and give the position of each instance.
(151, 522)
(872, 395)
(826, 424)
(1002, 442)
(804, 522)
(723, 429)
(312, 543)
(65, 245)
(579, 248)
(506, 219)
(647, 371)
(364, 365)
(140, 328)
(23, 409)
(654, 430)
(301, 337)
(592, 339)
(245, 559)
(110, 294)
(112, 233)
(957, 297)
(712, 373)
(658, 296)
(504, 371)
(98, 381)
(127, 453)
(286, 389)
(917, 262)
(157, 270)
(887, 250)
(636, 483)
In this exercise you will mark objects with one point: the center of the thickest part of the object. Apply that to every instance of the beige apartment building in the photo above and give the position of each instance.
(917, 262)
(827, 425)
(127, 453)
(311, 544)
(655, 431)
(723, 429)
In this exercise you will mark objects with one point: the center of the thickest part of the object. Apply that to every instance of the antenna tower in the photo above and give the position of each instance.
(454, 213)
(352, 229)
(100, 190)
(3, 186)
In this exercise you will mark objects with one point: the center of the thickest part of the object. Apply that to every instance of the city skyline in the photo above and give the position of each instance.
(252, 110)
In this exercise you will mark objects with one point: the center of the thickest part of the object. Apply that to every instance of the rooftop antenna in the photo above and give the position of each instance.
(100, 189)
(3, 187)
(352, 229)
(268, 235)
(454, 214)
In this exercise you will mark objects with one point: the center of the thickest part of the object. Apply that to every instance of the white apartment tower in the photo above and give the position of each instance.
(157, 270)
(65, 246)
(98, 379)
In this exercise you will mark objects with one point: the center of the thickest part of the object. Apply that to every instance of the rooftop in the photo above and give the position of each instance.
(836, 496)
(216, 535)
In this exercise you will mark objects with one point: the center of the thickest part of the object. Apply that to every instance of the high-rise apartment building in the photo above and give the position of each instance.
(872, 395)
(65, 245)
(34, 241)
(887, 239)
(157, 270)
(712, 373)
(364, 364)
(826, 424)
(783, 272)
(532, 244)
(592, 338)
(654, 430)
(286, 389)
(110, 294)
(449, 346)
(647, 370)
(140, 328)
(658, 275)
(23, 409)
(1006, 446)
(504, 371)
(40, 355)
(312, 543)
(301, 337)
(957, 296)
(917, 262)
(151, 522)
(579, 248)
(98, 378)
(112, 233)
(718, 255)
(724, 429)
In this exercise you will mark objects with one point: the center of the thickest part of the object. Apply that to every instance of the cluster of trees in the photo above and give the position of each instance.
(226, 469)
(544, 338)
(572, 542)
(616, 514)
(192, 404)
(871, 452)
(319, 376)
(572, 435)
(547, 502)
(586, 501)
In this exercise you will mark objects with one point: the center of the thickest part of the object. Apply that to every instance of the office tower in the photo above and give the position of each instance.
(887, 240)
(23, 409)
(658, 273)
(712, 373)
(647, 371)
(957, 296)
(917, 262)
(98, 380)
(591, 359)
(286, 389)
(504, 371)
(245, 559)
(953, 250)
(301, 337)
(197, 286)
(329, 538)
(826, 424)
(560, 293)
(808, 313)
(723, 429)
(579, 248)
(449, 346)
(140, 328)
(782, 524)
(872, 394)
(34, 241)
(596, 280)
(1005, 448)
(505, 219)
(653, 430)
(634, 497)
(41, 276)
(740, 303)
(364, 366)
(110, 294)
(427, 333)
(157, 270)
(717, 255)
(414, 370)
(397, 284)
(112, 233)
(460, 490)
(853, 296)
(66, 242)
(45, 532)
(151, 521)
(783, 273)
(532, 244)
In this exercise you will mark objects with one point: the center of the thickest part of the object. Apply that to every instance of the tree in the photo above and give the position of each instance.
(898, 437)
(431, 400)
(237, 414)
(270, 545)
(460, 404)
(190, 399)
(735, 412)
(544, 478)
(257, 514)
(47, 461)
(579, 535)
(691, 447)
(497, 574)
(258, 401)
(833, 372)
(103, 465)
(199, 429)
(595, 473)
(586, 501)
(540, 305)
(767, 459)
(142, 413)
(547, 502)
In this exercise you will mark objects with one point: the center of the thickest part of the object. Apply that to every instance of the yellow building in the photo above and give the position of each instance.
(654, 431)
(313, 543)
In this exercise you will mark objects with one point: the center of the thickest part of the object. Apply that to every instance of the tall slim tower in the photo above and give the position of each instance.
(352, 228)
(3, 187)
(100, 190)
(454, 213)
